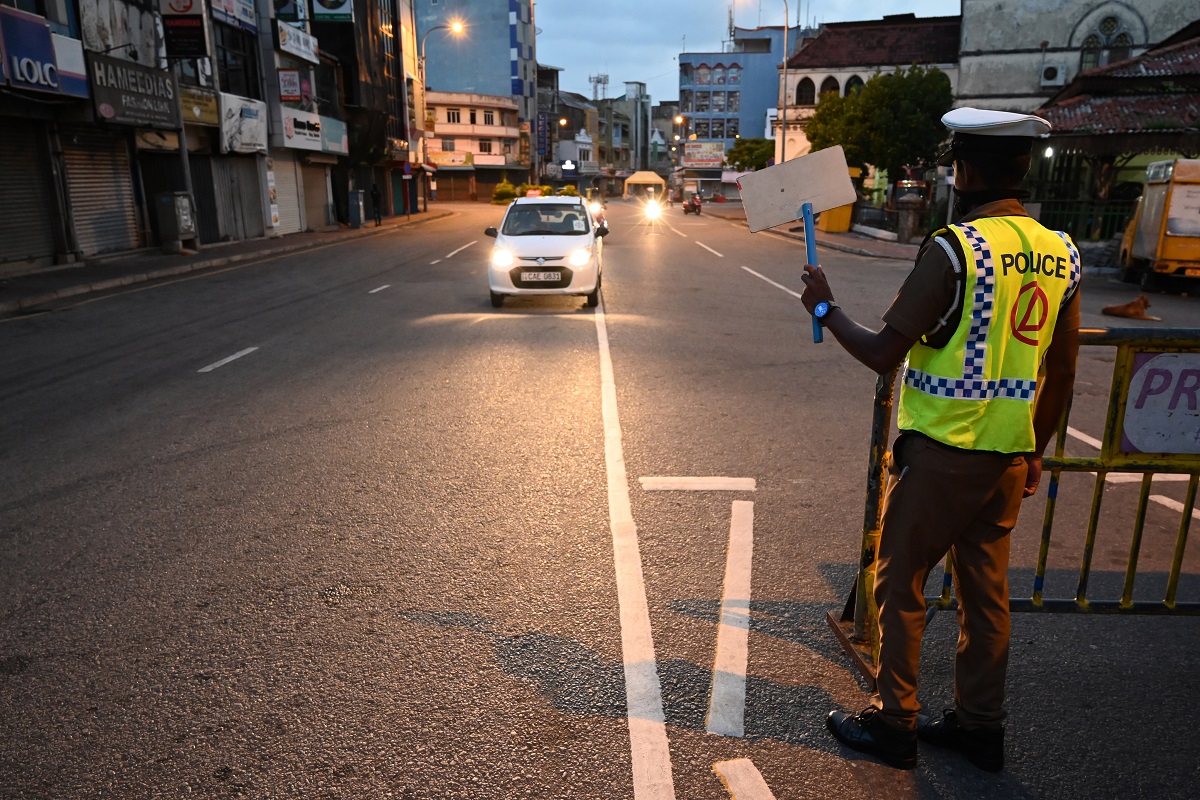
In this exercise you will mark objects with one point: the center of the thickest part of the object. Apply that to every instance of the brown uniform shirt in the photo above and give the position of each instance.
(928, 294)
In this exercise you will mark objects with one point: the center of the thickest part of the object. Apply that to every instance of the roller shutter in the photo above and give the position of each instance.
(316, 195)
(287, 192)
(27, 200)
(100, 186)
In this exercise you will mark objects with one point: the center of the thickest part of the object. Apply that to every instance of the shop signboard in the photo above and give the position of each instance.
(243, 125)
(239, 13)
(200, 106)
(36, 59)
(301, 129)
(333, 10)
(289, 86)
(297, 42)
(126, 93)
(456, 158)
(335, 136)
(291, 10)
(704, 155)
(184, 33)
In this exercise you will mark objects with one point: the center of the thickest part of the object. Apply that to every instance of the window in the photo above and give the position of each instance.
(830, 84)
(735, 75)
(718, 101)
(685, 100)
(702, 129)
(453, 116)
(703, 101)
(447, 145)
(718, 75)
(854, 84)
(806, 93)
(237, 61)
(718, 129)
(489, 117)
(685, 73)
(1109, 43)
(485, 146)
(733, 102)
(703, 75)
(732, 127)
(61, 14)
(472, 116)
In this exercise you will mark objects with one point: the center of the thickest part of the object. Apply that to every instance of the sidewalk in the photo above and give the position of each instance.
(856, 243)
(26, 292)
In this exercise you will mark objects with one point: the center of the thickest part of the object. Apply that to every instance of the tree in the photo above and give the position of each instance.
(893, 122)
(749, 154)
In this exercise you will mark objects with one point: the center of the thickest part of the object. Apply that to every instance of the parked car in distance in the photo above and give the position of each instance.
(546, 246)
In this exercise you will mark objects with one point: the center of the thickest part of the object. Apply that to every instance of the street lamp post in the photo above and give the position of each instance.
(455, 27)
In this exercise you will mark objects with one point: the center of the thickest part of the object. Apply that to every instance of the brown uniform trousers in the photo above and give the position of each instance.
(941, 499)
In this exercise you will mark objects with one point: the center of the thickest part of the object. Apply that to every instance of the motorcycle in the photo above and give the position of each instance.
(692, 206)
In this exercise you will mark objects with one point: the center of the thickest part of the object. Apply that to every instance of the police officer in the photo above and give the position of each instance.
(988, 321)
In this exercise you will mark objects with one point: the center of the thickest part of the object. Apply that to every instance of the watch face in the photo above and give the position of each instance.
(821, 310)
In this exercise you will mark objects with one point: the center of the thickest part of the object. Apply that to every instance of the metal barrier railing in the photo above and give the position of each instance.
(1167, 362)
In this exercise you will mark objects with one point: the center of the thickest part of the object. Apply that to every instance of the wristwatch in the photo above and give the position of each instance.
(822, 310)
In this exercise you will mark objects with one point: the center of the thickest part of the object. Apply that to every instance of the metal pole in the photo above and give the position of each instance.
(183, 154)
(783, 105)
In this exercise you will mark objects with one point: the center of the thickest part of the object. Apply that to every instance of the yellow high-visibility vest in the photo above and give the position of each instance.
(977, 392)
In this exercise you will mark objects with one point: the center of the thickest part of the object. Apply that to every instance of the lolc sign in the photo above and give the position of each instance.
(36, 59)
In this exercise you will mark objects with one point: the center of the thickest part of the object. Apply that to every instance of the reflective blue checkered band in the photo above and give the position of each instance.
(970, 388)
(1076, 271)
(984, 294)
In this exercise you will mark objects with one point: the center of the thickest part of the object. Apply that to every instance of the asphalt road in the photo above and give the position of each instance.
(328, 525)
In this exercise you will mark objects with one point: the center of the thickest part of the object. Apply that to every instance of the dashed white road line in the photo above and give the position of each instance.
(1083, 437)
(380, 289)
(773, 283)
(225, 361)
(435, 261)
(742, 780)
(697, 484)
(727, 700)
(1174, 505)
(709, 249)
(459, 250)
(1123, 477)
(649, 747)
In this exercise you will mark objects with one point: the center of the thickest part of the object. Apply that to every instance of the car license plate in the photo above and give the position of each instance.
(541, 276)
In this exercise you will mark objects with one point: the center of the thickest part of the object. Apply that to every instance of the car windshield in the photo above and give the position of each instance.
(546, 219)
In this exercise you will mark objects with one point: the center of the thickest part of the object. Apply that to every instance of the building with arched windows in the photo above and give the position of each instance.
(845, 55)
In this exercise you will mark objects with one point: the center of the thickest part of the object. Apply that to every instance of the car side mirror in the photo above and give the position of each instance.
(492, 232)
(601, 230)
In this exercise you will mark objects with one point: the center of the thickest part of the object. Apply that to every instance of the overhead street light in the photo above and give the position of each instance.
(454, 26)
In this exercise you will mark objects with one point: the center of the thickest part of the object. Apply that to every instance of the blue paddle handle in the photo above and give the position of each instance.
(810, 244)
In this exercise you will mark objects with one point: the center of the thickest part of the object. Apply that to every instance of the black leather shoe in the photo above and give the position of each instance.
(983, 747)
(866, 732)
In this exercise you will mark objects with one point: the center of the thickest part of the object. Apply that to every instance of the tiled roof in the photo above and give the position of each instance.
(1174, 61)
(1124, 114)
(892, 41)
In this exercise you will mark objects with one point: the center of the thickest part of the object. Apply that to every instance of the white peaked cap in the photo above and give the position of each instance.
(984, 122)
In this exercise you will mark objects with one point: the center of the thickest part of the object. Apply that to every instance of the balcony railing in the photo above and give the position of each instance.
(466, 129)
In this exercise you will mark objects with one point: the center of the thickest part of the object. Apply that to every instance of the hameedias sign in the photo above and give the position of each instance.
(126, 93)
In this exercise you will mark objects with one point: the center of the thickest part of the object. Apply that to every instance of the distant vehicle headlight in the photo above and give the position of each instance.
(502, 258)
(653, 210)
(580, 258)
(595, 207)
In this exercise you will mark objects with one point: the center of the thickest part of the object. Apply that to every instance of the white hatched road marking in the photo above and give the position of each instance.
(648, 744)
(742, 780)
(380, 289)
(697, 484)
(225, 361)
(709, 249)
(773, 283)
(1174, 505)
(727, 700)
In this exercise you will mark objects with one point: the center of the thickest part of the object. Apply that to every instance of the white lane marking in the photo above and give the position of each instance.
(709, 249)
(651, 752)
(459, 250)
(1121, 477)
(1174, 505)
(742, 780)
(435, 261)
(380, 289)
(1083, 437)
(727, 700)
(697, 484)
(675, 230)
(225, 361)
(773, 283)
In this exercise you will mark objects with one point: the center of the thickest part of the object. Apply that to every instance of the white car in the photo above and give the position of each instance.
(546, 246)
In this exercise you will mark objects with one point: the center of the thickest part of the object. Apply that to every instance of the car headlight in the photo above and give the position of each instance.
(580, 258)
(502, 257)
(653, 210)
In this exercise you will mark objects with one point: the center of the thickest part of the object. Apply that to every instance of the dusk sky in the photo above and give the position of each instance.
(639, 40)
